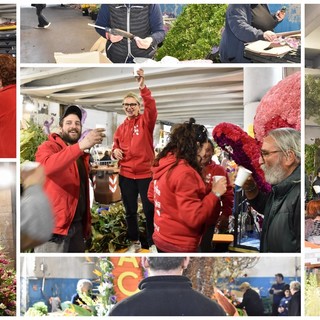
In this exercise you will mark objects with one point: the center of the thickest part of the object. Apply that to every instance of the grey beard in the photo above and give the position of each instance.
(273, 175)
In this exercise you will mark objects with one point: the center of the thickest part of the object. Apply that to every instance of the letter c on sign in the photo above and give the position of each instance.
(121, 281)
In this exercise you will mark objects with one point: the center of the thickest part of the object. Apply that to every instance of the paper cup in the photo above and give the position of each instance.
(316, 189)
(103, 127)
(29, 165)
(216, 178)
(242, 176)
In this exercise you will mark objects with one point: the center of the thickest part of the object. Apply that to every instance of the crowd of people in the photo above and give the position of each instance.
(181, 189)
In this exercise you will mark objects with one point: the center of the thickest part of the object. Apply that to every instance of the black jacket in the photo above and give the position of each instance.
(294, 306)
(167, 296)
(252, 303)
(281, 230)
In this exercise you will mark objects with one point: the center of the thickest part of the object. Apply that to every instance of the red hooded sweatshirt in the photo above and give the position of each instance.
(8, 132)
(183, 209)
(63, 181)
(135, 138)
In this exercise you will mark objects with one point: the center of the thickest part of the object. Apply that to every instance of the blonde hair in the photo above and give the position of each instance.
(132, 95)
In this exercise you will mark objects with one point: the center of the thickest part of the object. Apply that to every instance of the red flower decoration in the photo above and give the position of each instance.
(245, 150)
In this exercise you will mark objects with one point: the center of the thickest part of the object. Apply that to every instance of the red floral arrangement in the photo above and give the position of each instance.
(280, 107)
(245, 150)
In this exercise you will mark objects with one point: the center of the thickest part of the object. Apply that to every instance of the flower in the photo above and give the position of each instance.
(280, 107)
(245, 150)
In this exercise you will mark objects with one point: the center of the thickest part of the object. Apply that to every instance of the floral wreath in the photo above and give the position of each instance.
(245, 150)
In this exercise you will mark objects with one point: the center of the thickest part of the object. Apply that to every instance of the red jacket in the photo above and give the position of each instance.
(62, 182)
(183, 209)
(135, 138)
(209, 171)
(8, 131)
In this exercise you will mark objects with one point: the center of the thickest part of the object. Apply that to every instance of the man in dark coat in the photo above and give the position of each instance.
(166, 292)
(294, 307)
(251, 301)
(280, 160)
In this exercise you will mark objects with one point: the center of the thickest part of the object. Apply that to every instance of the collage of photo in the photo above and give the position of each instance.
(160, 159)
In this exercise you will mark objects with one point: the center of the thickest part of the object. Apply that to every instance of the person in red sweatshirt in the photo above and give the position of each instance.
(133, 147)
(8, 132)
(211, 172)
(66, 165)
(183, 208)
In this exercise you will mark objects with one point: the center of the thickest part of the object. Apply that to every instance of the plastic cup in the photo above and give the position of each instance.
(242, 176)
(316, 189)
(217, 178)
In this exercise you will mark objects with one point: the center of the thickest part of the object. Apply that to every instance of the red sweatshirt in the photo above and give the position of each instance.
(63, 181)
(209, 171)
(8, 132)
(135, 138)
(183, 209)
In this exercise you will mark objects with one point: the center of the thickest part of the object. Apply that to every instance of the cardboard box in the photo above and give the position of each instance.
(84, 57)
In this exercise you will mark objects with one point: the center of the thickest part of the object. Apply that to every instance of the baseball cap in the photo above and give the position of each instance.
(73, 109)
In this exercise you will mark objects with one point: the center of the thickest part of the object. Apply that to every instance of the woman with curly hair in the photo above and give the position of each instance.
(7, 106)
(183, 208)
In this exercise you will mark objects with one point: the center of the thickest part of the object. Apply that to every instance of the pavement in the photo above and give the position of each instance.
(68, 33)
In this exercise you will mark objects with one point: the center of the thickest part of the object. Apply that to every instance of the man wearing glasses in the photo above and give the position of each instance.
(280, 160)
(133, 147)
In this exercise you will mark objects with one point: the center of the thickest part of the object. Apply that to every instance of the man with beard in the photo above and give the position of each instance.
(280, 160)
(66, 166)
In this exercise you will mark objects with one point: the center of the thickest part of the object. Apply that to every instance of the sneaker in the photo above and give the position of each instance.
(47, 26)
(134, 247)
(153, 249)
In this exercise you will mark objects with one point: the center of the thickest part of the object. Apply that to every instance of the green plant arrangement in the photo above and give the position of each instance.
(101, 304)
(312, 97)
(38, 309)
(109, 229)
(30, 138)
(312, 295)
(194, 33)
(7, 286)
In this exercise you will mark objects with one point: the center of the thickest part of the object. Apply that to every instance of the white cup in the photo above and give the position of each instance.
(29, 165)
(103, 127)
(217, 178)
(242, 175)
(316, 189)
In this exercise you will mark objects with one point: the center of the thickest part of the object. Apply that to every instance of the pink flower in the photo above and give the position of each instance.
(280, 107)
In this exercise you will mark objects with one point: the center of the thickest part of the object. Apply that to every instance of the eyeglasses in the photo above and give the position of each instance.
(264, 153)
(132, 105)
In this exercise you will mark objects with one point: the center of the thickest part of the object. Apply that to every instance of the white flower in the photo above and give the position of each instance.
(2, 306)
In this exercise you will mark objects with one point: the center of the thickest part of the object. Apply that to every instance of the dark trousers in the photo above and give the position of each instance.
(41, 18)
(130, 190)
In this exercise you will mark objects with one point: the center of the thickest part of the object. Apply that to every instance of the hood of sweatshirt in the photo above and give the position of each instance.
(164, 166)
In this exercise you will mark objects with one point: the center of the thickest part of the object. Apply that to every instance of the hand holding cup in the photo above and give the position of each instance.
(219, 185)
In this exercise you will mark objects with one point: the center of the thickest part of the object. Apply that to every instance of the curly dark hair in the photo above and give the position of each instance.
(7, 69)
(184, 142)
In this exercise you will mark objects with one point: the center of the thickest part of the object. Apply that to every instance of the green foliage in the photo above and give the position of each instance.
(30, 139)
(109, 229)
(7, 286)
(312, 97)
(38, 309)
(312, 295)
(194, 33)
(311, 159)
